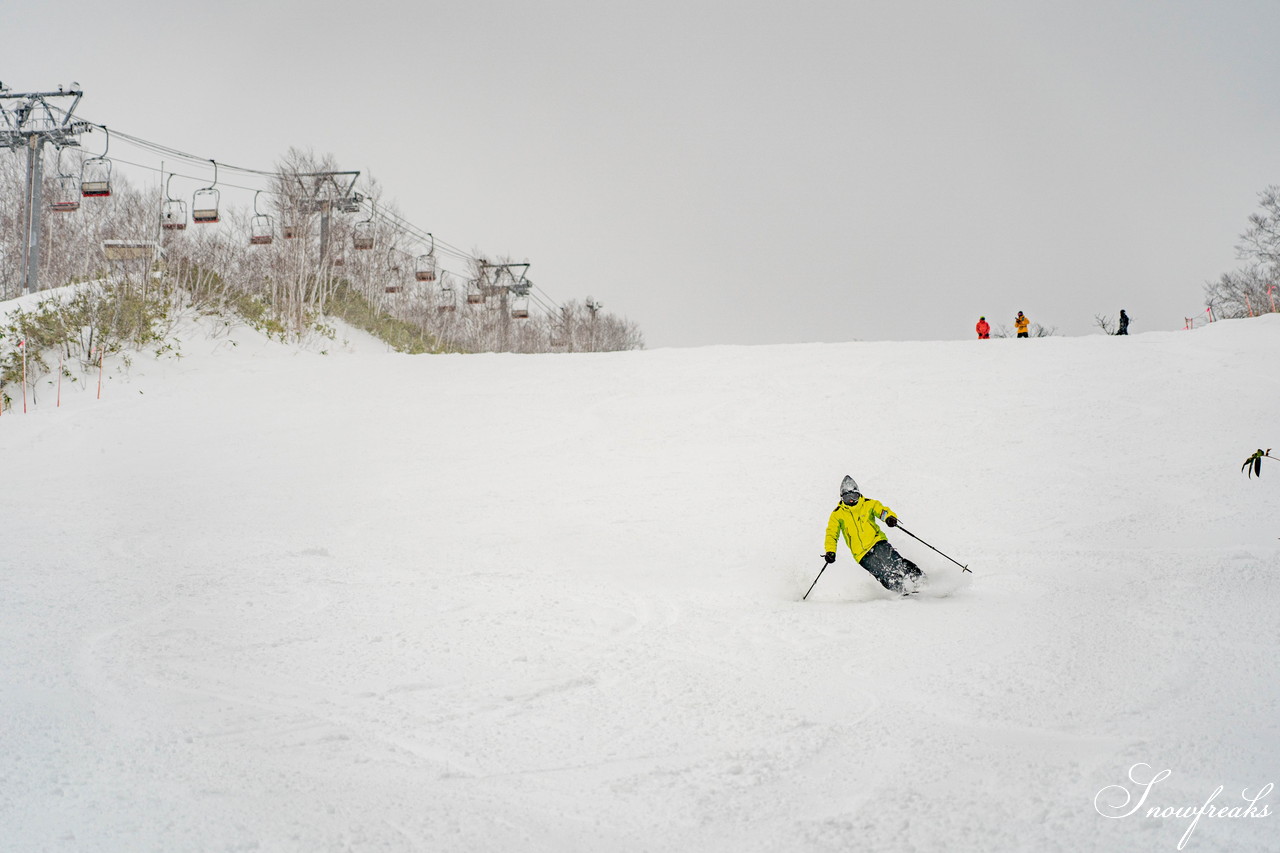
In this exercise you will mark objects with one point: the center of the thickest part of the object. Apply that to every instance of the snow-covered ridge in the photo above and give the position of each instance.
(263, 597)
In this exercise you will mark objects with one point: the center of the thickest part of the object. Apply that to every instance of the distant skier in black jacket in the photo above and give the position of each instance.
(1124, 323)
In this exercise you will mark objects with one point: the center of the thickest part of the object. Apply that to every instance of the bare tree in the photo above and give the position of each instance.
(1253, 289)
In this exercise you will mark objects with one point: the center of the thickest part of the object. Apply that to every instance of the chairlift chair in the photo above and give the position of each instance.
(95, 173)
(425, 266)
(95, 178)
(66, 194)
(66, 191)
(173, 215)
(520, 294)
(260, 230)
(362, 235)
(173, 212)
(520, 310)
(395, 282)
(261, 226)
(447, 300)
(204, 203)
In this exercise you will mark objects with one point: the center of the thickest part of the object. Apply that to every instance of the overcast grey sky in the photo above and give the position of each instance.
(738, 172)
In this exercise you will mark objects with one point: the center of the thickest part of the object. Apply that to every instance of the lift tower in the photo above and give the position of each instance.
(29, 123)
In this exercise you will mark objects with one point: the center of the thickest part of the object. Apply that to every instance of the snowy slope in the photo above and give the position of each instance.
(258, 598)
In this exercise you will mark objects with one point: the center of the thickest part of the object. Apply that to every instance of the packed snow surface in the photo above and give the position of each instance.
(268, 598)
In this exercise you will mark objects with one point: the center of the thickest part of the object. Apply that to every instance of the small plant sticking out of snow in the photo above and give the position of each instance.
(1254, 463)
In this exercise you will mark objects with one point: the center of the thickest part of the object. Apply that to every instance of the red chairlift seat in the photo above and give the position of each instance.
(260, 230)
(66, 194)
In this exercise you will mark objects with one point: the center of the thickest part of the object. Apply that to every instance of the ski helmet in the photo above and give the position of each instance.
(849, 488)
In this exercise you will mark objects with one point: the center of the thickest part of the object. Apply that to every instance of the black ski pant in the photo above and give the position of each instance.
(889, 567)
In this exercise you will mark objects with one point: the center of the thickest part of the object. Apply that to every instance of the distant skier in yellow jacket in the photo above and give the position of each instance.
(855, 518)
(1021, 322)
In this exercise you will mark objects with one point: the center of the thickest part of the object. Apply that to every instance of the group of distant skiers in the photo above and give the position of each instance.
(1023, 324)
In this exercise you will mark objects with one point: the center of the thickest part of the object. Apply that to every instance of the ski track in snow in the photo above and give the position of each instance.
(261, 599)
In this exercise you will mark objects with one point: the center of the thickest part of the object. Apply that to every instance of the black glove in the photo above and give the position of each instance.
(892, 521)
(830, 556)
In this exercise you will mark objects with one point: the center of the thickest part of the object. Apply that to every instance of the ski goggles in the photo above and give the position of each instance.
(850, 497)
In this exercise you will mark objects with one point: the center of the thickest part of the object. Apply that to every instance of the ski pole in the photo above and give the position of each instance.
(926, 544)
(815, 580)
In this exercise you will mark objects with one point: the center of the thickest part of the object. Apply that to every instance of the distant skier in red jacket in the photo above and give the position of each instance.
(984, 329)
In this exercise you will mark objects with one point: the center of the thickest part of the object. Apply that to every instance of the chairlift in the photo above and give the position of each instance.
(425, 269)
(362, 236)
(395, 282)
(204, 203)
(95, 173)
(520, 294)
(66, 190)
(447, 300)
(66, 194)
(363, 233)
(261, 226)
(173, 212)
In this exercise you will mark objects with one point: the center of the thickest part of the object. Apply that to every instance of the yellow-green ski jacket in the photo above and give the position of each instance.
(858, 523)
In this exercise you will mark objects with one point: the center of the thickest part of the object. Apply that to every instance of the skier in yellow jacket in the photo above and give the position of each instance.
(855, 517)
(1021, 323)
